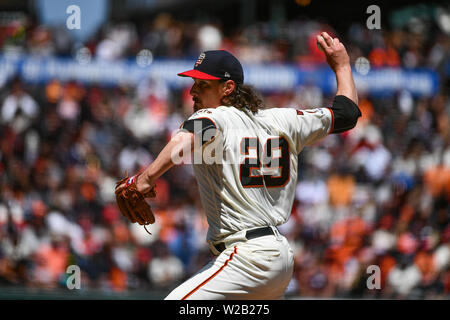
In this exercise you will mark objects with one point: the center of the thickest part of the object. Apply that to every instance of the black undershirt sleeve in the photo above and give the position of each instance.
(204, 128)
(346, 114)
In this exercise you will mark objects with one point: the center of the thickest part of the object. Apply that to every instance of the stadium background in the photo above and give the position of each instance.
(80, 107)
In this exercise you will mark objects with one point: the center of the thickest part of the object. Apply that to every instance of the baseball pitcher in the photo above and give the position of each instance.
(245, 162)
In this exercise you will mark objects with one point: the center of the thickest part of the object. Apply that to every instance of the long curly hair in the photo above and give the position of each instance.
(244, 96)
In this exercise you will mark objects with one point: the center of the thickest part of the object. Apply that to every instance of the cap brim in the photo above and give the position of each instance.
(197, 75)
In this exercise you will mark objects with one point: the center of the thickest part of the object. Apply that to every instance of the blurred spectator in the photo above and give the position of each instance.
(19, 108)
(164, 269)
(404, 277)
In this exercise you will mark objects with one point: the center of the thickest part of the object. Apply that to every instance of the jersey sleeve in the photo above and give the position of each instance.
(310, 125)
(204, 124)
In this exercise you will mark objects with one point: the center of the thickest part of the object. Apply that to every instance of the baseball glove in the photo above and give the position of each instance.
(132, 203)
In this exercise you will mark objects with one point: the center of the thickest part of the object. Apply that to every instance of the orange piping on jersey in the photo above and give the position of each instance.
(332, 121)
(212, 276)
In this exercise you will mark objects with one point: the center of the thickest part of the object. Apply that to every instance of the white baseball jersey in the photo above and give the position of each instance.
(253, 179)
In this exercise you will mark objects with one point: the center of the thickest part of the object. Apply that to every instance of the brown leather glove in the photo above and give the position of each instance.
(132, 203)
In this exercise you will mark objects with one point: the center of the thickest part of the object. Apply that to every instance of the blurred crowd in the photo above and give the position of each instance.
(372, 201)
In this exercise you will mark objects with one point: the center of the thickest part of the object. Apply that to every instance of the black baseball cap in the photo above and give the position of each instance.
(216, 65)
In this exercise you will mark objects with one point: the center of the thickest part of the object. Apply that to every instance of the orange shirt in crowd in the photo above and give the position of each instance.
(437, 180)
(118, 279)
(341, 188)
(54, 260)
(366, 108)
(347, 237)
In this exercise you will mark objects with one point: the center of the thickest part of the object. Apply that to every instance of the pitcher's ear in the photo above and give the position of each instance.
(228, 87)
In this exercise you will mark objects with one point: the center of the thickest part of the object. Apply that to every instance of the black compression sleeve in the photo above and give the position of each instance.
(346, 114)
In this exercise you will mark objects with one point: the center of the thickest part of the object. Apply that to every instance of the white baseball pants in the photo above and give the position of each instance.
(257, 269)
